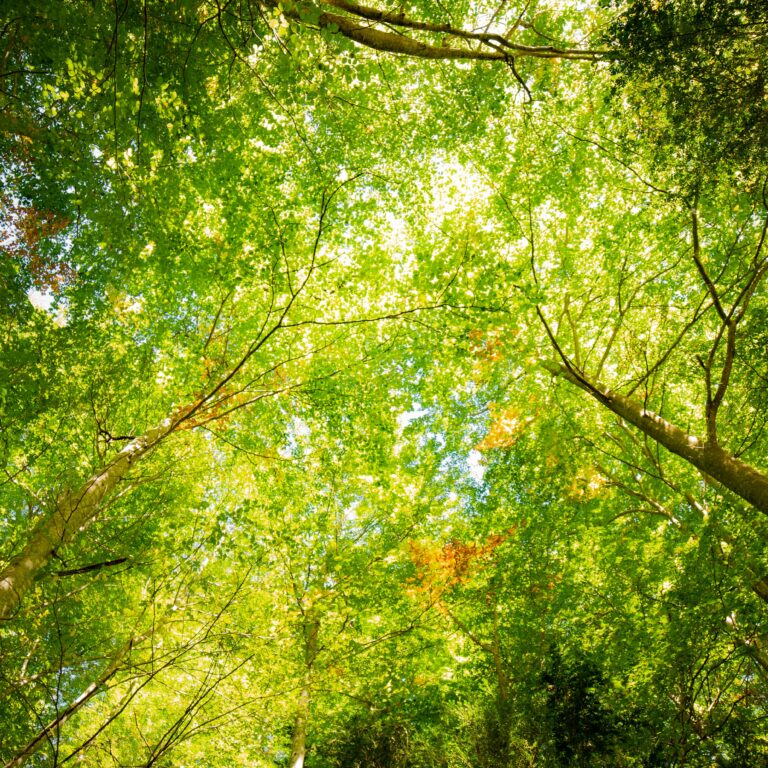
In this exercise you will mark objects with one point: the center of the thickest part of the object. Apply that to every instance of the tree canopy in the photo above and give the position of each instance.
(383, 385)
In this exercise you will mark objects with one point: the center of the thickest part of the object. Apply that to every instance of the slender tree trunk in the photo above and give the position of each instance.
(299, 738)
(502, 680)
(311, 629)
(74, 509)
(745, 481)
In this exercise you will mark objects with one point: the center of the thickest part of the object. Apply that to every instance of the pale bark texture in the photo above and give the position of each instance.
(74, 509)
(745, 481)
(311, 630)
(358, 26)
(299, 738)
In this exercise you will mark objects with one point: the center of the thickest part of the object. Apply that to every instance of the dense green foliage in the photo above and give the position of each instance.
(383, 386)
(702, 66)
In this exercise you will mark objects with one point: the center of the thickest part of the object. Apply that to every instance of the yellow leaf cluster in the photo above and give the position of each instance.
(506, 428)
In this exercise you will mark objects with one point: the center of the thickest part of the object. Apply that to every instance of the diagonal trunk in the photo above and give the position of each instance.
(74, 509)
(745, 481)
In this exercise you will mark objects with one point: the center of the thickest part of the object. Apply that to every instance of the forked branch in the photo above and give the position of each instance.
(381, 30)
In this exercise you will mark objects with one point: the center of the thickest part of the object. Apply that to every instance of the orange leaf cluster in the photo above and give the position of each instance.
(24, 230)
(486, 345)
(216, 410)
(506, 428)
(442, 567)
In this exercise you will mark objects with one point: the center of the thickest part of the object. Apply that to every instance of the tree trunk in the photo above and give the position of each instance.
(74, 509)
(745, 481)
(311, 630)
(299, 738)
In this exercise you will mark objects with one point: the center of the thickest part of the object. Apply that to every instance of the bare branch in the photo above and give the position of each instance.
(700, 266)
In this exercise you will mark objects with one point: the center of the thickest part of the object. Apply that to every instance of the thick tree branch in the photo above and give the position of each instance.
(390, 42)
(745, 481)
(399, 19)
(501, 48)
